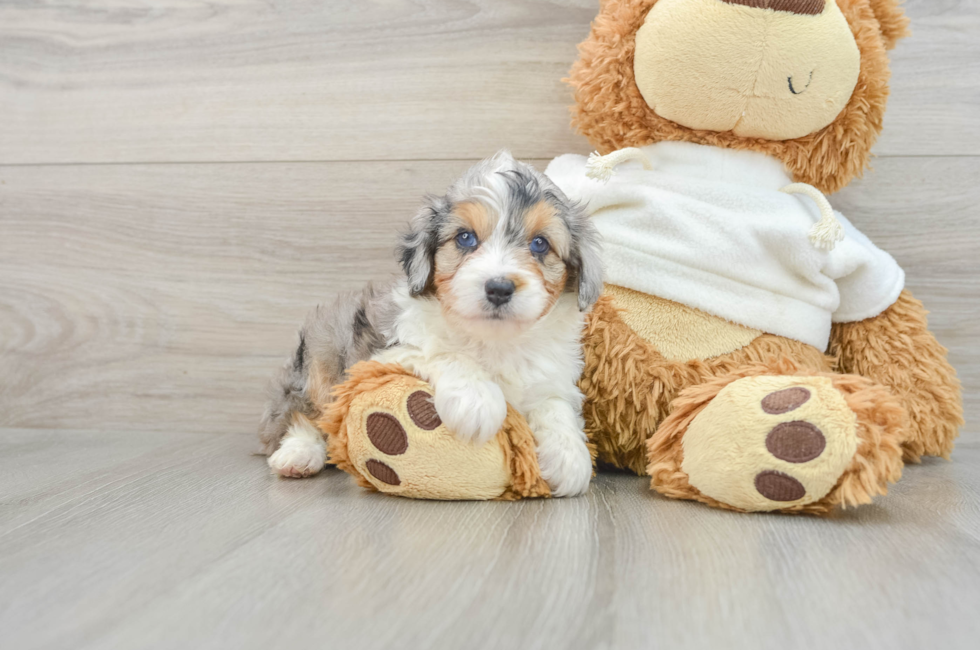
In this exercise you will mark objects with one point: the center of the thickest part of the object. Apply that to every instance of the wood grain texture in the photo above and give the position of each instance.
(163, 296)
(307, 80)
(351, 80)
(129, 539)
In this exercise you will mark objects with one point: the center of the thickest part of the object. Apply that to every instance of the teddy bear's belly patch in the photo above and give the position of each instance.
(679, 332)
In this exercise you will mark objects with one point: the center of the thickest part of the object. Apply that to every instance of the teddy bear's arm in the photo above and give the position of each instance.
(897, 350)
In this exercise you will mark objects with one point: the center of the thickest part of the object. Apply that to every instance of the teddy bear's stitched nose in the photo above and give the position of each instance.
(805, 7)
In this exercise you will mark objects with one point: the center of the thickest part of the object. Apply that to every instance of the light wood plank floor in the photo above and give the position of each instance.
(131, 539)
(181, 181)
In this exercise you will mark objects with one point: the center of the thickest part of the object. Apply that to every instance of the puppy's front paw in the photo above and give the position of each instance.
(473, 410)
(566, 466)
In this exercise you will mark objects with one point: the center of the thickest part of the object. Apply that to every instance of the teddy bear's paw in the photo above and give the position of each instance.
(398, 444)
(771, 443)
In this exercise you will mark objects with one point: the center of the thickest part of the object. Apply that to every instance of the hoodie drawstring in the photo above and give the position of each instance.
(827, 232)
(601, 168)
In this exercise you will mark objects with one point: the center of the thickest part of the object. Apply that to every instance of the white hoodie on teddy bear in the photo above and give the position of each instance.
(715, 229)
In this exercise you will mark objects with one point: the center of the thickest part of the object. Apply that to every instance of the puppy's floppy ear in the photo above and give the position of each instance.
(417, 251)
(585, 254)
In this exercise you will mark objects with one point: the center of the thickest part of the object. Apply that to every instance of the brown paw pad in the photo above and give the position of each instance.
(422, 410)
(777, 486)
(786, 400)
(387, 434)
(382, 472)
(796, 442)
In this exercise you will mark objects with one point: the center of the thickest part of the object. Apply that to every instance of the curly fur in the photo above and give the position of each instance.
(897, 349)
(629, 386)
(894, 24)
(610, 111)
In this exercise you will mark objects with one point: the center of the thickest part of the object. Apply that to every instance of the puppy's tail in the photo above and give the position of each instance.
(288, 395)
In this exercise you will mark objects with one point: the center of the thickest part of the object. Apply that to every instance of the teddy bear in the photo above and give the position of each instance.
(753, 350)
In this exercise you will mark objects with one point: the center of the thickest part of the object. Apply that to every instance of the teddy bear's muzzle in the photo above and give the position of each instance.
(771, 69)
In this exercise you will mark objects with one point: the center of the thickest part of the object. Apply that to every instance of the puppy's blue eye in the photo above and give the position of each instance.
(466, 239)
(540, 246)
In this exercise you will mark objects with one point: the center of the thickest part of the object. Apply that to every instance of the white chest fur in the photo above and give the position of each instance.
(530, 366)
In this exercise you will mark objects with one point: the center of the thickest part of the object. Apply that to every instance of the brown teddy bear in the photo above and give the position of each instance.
(753, 350)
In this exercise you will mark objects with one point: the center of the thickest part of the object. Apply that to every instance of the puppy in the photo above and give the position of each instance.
(498, 274)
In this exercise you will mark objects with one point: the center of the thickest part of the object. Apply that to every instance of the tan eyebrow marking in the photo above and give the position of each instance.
(541, 215)
(476, 216)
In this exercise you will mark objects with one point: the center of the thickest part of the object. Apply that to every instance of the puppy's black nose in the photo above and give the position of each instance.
(499, 290)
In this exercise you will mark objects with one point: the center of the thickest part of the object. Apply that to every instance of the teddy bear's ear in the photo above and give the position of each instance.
(892, 20)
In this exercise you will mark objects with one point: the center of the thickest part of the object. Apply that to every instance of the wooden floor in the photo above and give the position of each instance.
(181, 181)
(131, 539)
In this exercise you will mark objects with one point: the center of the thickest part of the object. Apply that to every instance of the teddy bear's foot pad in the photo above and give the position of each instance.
(768, 442)
(386, 433)
(390, 438)
(382, 472)
(770, 438)
(777, 486)
(793, 442)
(796, 442)
(383, 429)
(397, 444)
(786, 400)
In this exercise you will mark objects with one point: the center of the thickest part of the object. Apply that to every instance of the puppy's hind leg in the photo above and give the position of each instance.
(331, 340)
(287, 395)
(303, 451)
(295, 446)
